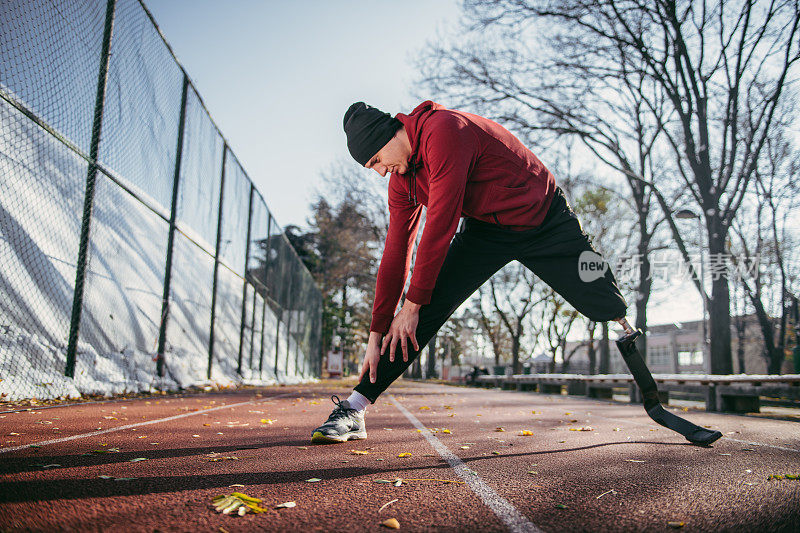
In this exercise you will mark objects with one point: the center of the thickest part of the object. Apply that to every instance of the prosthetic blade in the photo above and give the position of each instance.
(644, 379)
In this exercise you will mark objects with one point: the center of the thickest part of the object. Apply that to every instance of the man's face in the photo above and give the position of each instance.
(393, 157)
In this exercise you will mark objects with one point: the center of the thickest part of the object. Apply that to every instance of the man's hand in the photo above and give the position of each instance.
(372, 357)
(404, 327)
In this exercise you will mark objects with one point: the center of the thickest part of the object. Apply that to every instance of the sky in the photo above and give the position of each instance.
(278, 76)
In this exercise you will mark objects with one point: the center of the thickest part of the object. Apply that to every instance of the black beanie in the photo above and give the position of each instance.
(368, 129)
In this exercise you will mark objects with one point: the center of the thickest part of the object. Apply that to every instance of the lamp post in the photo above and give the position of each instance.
(686, 214)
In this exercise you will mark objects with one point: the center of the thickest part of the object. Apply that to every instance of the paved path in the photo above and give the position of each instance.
(626, 474)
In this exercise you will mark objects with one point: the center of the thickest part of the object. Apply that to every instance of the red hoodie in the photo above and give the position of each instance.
(461, 165)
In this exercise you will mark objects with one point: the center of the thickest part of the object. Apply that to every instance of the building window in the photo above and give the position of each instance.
(690, 355)
(658, 355)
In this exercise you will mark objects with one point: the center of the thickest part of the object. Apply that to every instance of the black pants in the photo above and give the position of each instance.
(480, 249)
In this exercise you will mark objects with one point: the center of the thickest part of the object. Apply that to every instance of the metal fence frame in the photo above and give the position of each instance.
(252, 286)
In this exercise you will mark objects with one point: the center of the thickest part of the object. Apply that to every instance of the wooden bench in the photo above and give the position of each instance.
(738, 393)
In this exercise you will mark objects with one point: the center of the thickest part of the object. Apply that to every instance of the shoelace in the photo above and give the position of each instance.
(339, 409)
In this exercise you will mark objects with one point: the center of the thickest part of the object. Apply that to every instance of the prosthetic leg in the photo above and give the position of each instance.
(644, 379)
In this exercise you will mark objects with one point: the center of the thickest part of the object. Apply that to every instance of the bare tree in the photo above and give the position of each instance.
(764, 240)
(513, 297)
(722, 69)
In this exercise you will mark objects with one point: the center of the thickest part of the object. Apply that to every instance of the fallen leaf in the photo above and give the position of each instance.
(499, 429)
(398, 482)
(195, 436)
(675, 525)
(584, 428)
(313, 480)
(137, 459)
(404, 454)
(561, 506)
(391, 523)
(302, 447)
(465, 447)
(446, 431)
(359, 452)
(105, 477)
(496, 453)
(424, 408)
(267, 421)
(525, 433)
(532, 472)
(285, 505)
(617, 429)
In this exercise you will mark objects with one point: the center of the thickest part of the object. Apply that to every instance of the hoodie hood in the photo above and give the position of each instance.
(413, 123)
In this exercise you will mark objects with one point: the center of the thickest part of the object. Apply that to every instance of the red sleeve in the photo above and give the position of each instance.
(449, 149)
(404, 221)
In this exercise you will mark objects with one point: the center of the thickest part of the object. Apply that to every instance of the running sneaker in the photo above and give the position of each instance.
(343, 424)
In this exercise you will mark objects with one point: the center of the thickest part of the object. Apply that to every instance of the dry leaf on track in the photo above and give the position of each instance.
(391, 523)
(285, 505)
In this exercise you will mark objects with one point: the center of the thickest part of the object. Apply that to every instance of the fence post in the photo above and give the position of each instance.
(216, 259)
(88, 199)
(244, 286)
(289, 321)
(267, 260)
(162, 331)
(277, 340)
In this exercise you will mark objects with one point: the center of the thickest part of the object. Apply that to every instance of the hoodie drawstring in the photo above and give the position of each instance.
(413, 199)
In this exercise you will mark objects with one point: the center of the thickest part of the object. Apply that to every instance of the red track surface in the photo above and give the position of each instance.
(638, 477)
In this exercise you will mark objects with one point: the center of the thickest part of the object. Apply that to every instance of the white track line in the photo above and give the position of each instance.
(129, 426)
(507, 513)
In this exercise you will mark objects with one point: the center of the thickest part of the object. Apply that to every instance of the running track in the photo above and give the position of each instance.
(626, 474)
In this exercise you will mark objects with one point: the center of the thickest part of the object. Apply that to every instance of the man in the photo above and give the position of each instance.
(460, 164)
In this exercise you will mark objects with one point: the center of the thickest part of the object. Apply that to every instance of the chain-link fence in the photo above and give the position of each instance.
(135, 252)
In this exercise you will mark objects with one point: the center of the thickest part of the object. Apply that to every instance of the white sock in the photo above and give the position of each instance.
(358, 401)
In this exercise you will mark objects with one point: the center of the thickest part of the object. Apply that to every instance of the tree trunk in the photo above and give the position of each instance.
(416, 367)
(719, 307)
(643, 290)
(605, 350)
(515, 364)
(741, 326)
(431, 372)
(590, 351)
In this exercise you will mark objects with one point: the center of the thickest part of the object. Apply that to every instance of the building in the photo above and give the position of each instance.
(678, 349)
